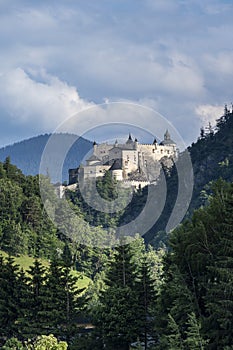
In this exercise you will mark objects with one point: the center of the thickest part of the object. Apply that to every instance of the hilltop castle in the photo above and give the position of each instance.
(133, 163)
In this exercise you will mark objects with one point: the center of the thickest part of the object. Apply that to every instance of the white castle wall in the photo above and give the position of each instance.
(130, 160)
(135, 184)
(117, 174)
(89, 172)
(133, 155)
(156, 152)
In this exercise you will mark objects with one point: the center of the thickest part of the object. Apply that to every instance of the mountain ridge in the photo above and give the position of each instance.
(26, 154)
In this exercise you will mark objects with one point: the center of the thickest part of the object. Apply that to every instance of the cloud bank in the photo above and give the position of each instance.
(57, 59)
(38, 99)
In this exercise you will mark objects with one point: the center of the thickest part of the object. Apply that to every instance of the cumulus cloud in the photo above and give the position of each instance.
(38, 98)
(172, 55)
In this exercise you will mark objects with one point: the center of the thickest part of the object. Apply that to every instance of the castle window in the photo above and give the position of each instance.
(127, 158)
(153, 150)
(161, 151)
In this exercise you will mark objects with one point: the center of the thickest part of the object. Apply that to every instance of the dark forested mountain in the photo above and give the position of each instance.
(212, 155)
(212, 158)
(26, 154)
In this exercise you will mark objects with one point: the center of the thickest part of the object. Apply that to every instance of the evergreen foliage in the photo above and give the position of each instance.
(189, 305)
(123, 313)
(24, 225)
(197, 288)
(39, 303)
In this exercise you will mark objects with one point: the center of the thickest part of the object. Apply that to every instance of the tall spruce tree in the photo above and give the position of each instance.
(118, 318)
(126, 312)
(31, 322)
(147, 297)
(9, 303)
(63, 301)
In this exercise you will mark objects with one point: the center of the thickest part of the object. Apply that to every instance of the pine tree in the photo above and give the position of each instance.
(147, 298)
(31, 321)
(194, 340)
(63, 302)
(9, 304)
(219, 297)
(174, 339)
(118, 317)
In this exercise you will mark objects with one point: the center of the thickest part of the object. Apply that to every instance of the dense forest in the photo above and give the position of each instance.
(171, 292)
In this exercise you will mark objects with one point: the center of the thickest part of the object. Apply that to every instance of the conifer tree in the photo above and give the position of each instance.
(31, 322)
(174, 339)
(118, 318)
(194, 340)
(198, 273)
(9, 305)
(63, 302)
(147, 298)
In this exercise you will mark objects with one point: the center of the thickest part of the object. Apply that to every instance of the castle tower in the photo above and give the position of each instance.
(94, 147)
(117, 170)
(167, 140)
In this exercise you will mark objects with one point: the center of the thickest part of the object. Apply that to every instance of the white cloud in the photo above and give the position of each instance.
(221, 63)
(38, 99)
(209, 113)
(170, 55)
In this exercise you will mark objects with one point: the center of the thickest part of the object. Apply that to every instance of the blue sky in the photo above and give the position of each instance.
(59, 57)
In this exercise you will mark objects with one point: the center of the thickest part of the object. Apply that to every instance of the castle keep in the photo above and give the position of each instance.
(133, 163)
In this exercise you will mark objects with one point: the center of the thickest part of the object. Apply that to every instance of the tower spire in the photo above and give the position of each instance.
(167, 135)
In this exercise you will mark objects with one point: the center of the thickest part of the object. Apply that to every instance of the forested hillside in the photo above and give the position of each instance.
(172, 296)
(24, 226)
(142, 298)
(212, 155)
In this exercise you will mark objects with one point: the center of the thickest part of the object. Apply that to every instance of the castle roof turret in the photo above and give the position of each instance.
(117, 165)
(129, 141)
(167, 139)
